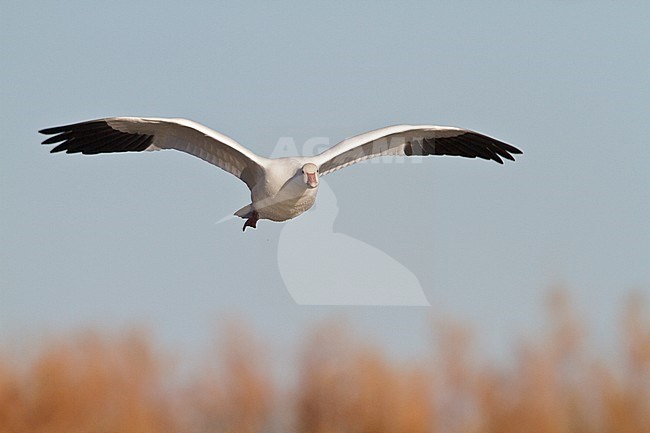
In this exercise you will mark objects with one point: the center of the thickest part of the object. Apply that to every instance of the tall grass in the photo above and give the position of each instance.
(92, 382)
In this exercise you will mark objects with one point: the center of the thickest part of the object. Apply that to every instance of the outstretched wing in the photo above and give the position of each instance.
(136, 134)
(410, 140)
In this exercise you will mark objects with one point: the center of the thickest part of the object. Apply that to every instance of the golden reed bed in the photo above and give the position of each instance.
(92, 382)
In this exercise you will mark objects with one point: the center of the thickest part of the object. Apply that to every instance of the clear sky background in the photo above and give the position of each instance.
(115, 240)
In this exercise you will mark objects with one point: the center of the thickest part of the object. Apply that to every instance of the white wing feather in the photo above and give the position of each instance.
(122, 134)
(413, 140)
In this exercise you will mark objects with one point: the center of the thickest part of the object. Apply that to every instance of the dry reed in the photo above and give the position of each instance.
(97, 383)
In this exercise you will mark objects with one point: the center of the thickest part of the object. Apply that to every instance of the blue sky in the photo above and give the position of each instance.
(114, 240)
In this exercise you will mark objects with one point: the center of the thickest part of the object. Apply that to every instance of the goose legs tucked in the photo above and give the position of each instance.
(252, 220)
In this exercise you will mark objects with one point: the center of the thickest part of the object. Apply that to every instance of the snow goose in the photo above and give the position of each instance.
(281, 188)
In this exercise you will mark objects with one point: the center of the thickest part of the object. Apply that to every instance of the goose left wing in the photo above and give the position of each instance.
(414, 140)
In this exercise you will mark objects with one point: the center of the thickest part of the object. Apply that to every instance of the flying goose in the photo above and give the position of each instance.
(281, 188)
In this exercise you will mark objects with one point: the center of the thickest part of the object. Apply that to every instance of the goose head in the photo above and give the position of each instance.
(310, 174)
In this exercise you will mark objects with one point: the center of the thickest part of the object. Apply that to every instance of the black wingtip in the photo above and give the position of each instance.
(53, 130)
(60, 148)
(54, 139)
(512, 149)
(94, 136)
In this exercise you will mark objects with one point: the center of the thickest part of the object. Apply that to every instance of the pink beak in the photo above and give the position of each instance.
(311, 180)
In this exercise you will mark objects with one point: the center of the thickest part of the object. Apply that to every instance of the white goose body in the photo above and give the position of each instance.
(281, 194)
(281, 188)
